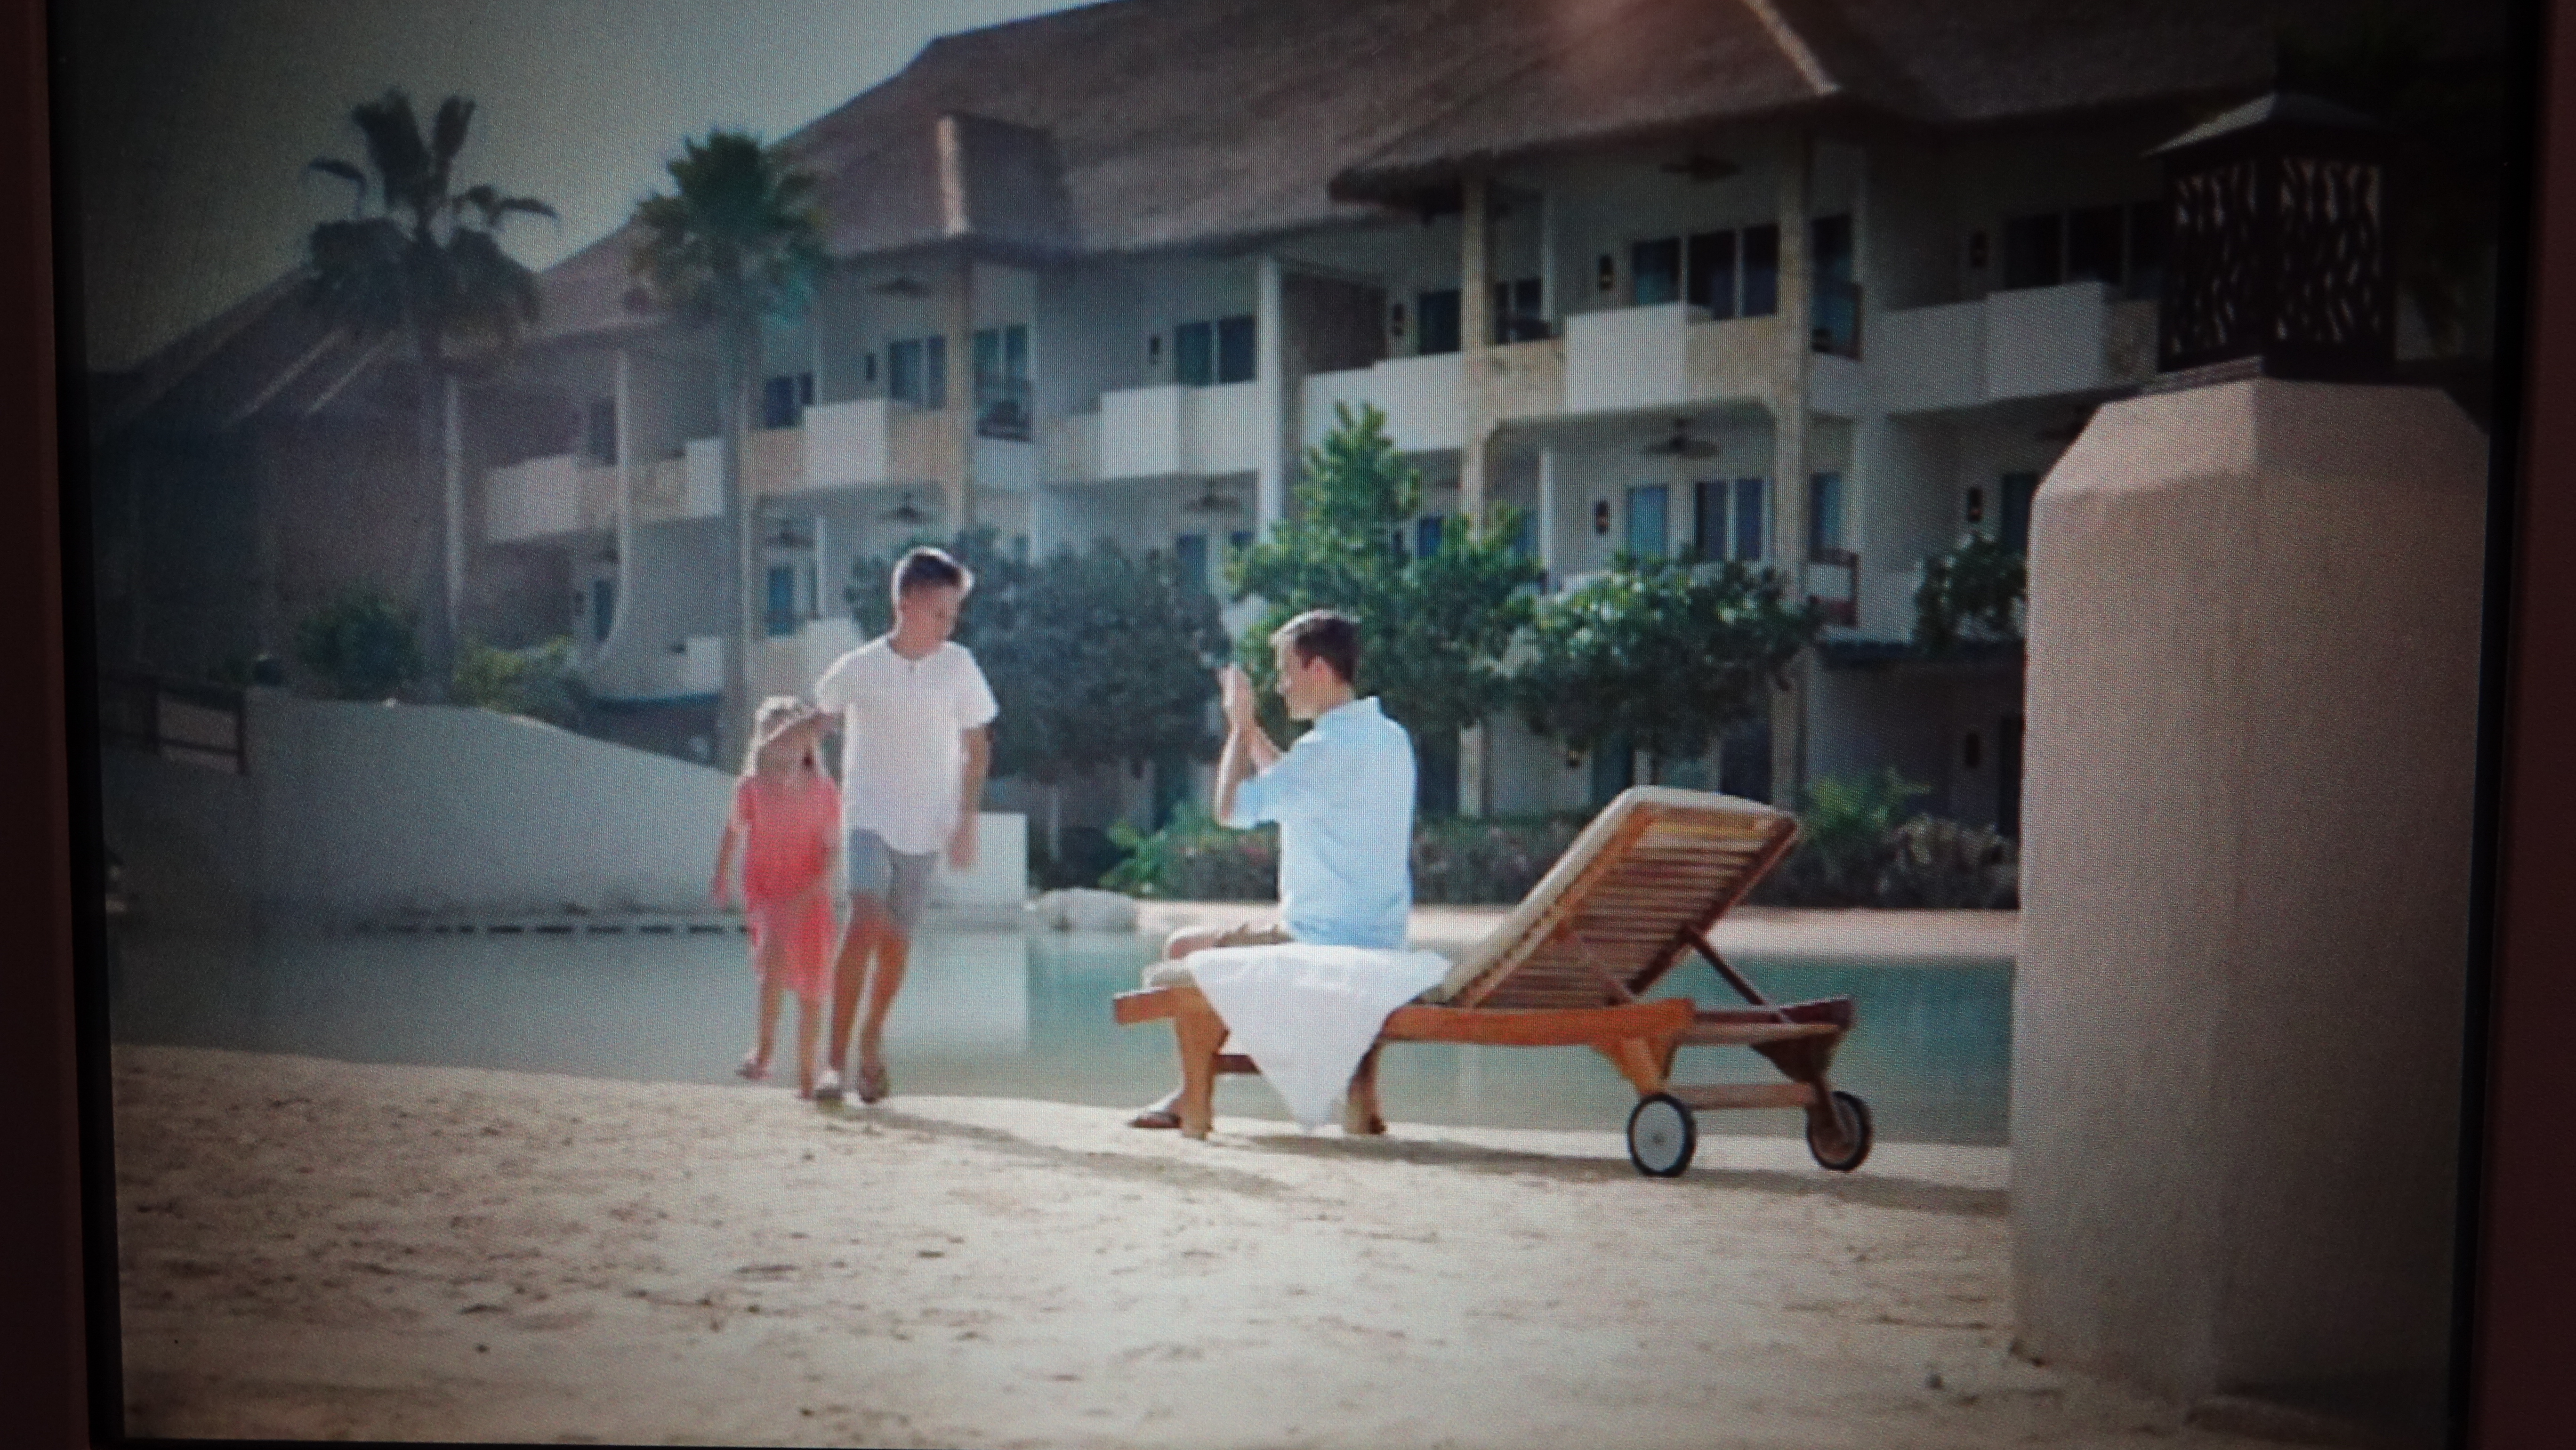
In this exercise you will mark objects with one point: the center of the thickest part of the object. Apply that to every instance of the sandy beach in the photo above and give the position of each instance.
(317, 1249)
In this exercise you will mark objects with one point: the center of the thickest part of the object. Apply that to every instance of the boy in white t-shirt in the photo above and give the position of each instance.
(914, 711)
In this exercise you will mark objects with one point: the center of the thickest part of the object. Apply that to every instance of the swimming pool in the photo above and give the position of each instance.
(999, 1014)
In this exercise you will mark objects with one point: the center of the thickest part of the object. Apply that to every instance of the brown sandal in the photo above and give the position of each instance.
(1156, 1118)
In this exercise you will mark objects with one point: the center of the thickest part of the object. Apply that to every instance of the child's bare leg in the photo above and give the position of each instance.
(768, 1038)
(849, 972)
(809, 1026)
(894, 954)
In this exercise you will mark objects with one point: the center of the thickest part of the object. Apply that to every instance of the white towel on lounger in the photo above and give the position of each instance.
(1305, 1014)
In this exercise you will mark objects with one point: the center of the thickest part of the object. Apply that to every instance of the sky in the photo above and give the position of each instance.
(192, 120)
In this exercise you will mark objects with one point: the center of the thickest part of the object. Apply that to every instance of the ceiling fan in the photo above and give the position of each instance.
(1210, 501)
(901, 287)
(1702, 168)
(907, 512)
(1681, 444)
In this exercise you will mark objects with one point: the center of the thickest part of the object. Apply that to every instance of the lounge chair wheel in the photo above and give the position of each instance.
(1662, 1135)
(1851, 1115)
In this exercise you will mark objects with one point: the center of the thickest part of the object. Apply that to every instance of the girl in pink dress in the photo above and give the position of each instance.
(786, 821)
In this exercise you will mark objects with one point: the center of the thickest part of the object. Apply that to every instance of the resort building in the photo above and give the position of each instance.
(1824, 286)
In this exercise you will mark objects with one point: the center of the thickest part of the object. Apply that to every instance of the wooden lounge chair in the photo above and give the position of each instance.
(1636, 892)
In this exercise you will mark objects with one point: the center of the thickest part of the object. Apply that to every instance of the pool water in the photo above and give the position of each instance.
(1002, 1015)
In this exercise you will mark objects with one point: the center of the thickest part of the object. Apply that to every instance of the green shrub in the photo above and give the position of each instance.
(1494, 861)
(1938, 863)
(361, 646)
(538, 682)
(1195, 859)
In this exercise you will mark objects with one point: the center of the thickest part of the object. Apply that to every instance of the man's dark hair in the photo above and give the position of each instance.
(927, 568)
(1324, 634)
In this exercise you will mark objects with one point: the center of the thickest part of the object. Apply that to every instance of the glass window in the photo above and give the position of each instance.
(1002, 382)
(1426, 535)
(603, 607)
(1234, 349)
(1194, 354)
(1647, 514)
(781, 599)
(2147, 249)
(1655, 271)
(903, 371)
(1824, 515)
(778, 406)
(1517, 315)
(2034, 250)
(1239, 539)
(1525, 538)
(2014, 530)
(599, 431)
(2093, 237)
(1749, 494)
(1711, 273)
(1761, 270)
(1436, 321)
(1190, 557)
(934, 372)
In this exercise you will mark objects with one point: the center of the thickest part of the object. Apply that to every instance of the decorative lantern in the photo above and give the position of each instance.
(2276, 253)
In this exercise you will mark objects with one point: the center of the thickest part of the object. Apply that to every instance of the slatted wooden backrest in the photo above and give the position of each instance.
(1617, 911)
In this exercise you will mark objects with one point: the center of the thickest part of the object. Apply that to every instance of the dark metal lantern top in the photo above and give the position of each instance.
(2277, 231)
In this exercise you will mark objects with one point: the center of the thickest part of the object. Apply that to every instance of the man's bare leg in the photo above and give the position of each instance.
(894, 953)
(868, 926)
(1165, 1111)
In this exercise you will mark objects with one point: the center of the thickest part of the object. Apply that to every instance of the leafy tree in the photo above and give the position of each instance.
(1434, 626)
(1665, 653)
(362, 645)
(1974, 593)
(425, 265)
(539, 682)
(739, 240)
(1095, 658)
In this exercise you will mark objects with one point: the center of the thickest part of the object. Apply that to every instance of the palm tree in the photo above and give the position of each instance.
(425, 266)
(739, 241)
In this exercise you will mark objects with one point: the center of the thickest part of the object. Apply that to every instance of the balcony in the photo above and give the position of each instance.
(1523, 380)
(1179, 431)
(1422, 398)
(871, 441)
(1666, 356)
(2036, 342)
(548, 499)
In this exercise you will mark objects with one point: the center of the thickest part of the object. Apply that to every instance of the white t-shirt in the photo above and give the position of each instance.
(902, 755)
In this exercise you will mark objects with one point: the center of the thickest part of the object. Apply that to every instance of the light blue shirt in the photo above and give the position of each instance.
(1343, 798)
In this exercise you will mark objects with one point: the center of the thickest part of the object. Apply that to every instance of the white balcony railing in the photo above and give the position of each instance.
(1179, 430)
(548, 498)
(1666, 355)
(870, 441)
(2029, 343)
(1422, 398)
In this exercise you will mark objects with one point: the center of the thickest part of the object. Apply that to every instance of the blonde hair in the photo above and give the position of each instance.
(765, 719)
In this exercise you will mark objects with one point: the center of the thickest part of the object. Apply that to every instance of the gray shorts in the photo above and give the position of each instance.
(894, 882)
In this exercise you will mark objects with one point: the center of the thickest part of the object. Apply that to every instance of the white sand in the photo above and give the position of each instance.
(320, 1249)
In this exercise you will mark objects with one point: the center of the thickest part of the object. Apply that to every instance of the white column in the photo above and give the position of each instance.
(1270, 368)
(623, 404)
(1547, 281)
(1547, 514)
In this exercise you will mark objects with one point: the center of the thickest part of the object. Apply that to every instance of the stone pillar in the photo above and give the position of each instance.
(452, 422)
(958, 480)
(2237, 1020)
(623, 403)
(1547, 516)
(1270, 367)
(1789, 423)
(1475, 340)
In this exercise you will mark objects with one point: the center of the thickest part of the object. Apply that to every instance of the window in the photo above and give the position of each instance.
(599, 432)
(1525, 538)
(1190, 559)
(1647, 514)
(1002, 382)
(784, 398)
(1194, 354)
(917, 372)
(2034, 254)
(1761, 271)
(1727, 519)
(2013, 530)
(1824, 516)
(603, 607)
(1655, 271)
(1837, 296)
(1517, 312)
(1436, 321)
(2122, 246)
(1234, 349)
(1426, 535)
(1239, 540)
(1711, 273)
(780, 599)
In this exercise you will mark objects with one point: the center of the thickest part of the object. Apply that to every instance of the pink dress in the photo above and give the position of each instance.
(788, 827)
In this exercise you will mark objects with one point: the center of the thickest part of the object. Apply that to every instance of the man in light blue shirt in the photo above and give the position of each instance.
(1343, 798)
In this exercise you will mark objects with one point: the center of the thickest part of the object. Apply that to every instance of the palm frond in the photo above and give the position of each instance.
(394, 148)
(333, 166)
